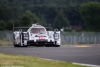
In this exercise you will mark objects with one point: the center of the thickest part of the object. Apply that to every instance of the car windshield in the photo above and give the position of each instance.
(38, 30)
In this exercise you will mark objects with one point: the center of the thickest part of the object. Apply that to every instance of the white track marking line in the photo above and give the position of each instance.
(86, 64)
(90, 65)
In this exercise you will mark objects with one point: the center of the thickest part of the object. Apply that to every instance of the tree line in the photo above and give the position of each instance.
(56, 13)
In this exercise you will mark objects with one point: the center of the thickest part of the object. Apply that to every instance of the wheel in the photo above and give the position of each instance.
(49, 45)
(15, 45)
(56, 45)
(25, 46)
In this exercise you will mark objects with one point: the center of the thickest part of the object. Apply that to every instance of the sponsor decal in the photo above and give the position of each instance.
(41, 38)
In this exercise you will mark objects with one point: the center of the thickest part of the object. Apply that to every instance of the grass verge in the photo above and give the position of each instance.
(5, 43)
(7, 60)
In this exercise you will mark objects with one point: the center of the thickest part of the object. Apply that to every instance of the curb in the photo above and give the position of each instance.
(84, 45)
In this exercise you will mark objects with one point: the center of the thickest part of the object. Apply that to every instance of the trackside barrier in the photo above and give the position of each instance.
(68, 38)
(75, 38)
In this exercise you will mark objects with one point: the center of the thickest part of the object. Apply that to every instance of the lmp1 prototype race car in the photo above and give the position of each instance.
(36, 35)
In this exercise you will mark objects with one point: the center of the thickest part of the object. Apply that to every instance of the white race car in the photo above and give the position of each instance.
(36, 35)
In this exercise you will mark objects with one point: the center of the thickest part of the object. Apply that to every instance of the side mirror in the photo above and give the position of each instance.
(56, 30)
(20, 30)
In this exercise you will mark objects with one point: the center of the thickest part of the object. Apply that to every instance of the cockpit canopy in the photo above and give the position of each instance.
(38, 30)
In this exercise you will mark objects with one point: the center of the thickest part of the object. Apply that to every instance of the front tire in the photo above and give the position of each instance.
(56, 46)
(25, 46)
(49, 45)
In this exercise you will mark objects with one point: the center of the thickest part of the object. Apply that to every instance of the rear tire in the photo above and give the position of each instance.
(16, 45)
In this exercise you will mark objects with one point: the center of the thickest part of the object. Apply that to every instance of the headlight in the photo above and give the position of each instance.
(56, 36)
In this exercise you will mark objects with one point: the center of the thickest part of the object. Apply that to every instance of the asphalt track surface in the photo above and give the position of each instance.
(87, 55)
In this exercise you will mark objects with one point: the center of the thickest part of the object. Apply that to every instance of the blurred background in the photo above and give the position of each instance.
(78, 20)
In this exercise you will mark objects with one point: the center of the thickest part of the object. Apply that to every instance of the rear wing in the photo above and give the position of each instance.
(19, 28)
(26, 28)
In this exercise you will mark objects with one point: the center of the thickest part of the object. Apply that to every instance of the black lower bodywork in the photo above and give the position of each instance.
(39, 42)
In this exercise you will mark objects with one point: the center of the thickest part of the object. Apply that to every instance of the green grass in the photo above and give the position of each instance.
(7, 60)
